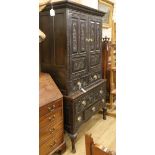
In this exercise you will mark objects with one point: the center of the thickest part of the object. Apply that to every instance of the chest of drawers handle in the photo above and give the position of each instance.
(84, 103)
(52, 130)
(51, 108)
(101, 91)
(51, 118)
(95, 77)
(53, 144)
(93, 109)
(103, 100)
(79, 119)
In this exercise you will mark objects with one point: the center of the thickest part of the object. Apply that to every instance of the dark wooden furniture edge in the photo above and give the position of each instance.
(74, 5)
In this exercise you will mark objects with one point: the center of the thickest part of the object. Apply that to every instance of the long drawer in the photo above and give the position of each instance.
(84, 81)
(50, 131)
(89, 98)
(91, 110)
(50, 107)
(81, 106)
(51, 144)
(51, 118)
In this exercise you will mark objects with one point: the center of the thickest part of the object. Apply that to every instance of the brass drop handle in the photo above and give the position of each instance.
(101, 91)
(93, 109)
(53, 144)
(95, 77)
(79, 118)
(79, 84)
(52, 130)
(103, 100)
(84, 103)
(80, 87)
(51, 108)
(50, 118)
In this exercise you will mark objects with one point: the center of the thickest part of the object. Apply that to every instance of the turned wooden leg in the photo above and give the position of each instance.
(104, 112)
(73, 139)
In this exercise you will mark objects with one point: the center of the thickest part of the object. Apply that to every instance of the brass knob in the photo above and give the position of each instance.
(53, 144)
(79, 84)
(49, 108)
(79, 118)
(93, 109)
(95, 77)
(101, 91)
(51, 118)
(51, 130)
(84, 103)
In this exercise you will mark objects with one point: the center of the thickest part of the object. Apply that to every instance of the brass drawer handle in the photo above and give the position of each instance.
(93, 109)
(103, 100)
(101, 91)
(51, 108)
(52, 130)
(79, 118)
(95, 77)
(51, 118)
(84, 103)
(53, 144)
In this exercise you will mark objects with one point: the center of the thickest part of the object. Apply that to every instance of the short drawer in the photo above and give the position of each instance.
(77, 84)
(50, 107)
(50, 131)
(94, 77)
(51, 118)
(79, 119)
(92, 110)
(50, 144)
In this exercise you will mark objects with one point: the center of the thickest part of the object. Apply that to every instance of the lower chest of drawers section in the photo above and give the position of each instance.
(50, 127)
(80, 107)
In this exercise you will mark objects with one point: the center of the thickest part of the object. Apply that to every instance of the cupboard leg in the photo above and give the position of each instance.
(73, 140)
(104, 112)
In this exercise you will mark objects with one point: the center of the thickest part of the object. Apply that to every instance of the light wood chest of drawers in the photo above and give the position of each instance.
(51, 132)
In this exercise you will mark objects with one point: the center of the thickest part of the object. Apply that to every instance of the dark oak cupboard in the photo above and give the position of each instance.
(72, 55)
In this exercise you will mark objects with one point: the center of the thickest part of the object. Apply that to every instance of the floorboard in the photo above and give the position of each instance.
(103, 133)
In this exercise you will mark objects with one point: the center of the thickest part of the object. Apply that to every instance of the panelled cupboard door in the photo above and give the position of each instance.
(95, 35)
(78, 45)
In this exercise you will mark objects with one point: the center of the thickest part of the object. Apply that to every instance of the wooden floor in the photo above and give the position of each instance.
(103, 132)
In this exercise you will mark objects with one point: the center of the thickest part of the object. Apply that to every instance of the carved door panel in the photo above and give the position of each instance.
(95, 35)
(92, 32)
(83, 33)
(74, 34)
(98, 33)
(78, 44)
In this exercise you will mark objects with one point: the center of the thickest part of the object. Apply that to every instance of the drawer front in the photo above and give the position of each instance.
(76, 84)
(51, 118)
(49, 131)
(50, 144)
(89, 98)
(50, 107)
(91, 110)
(79, 119)
(95, 76)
